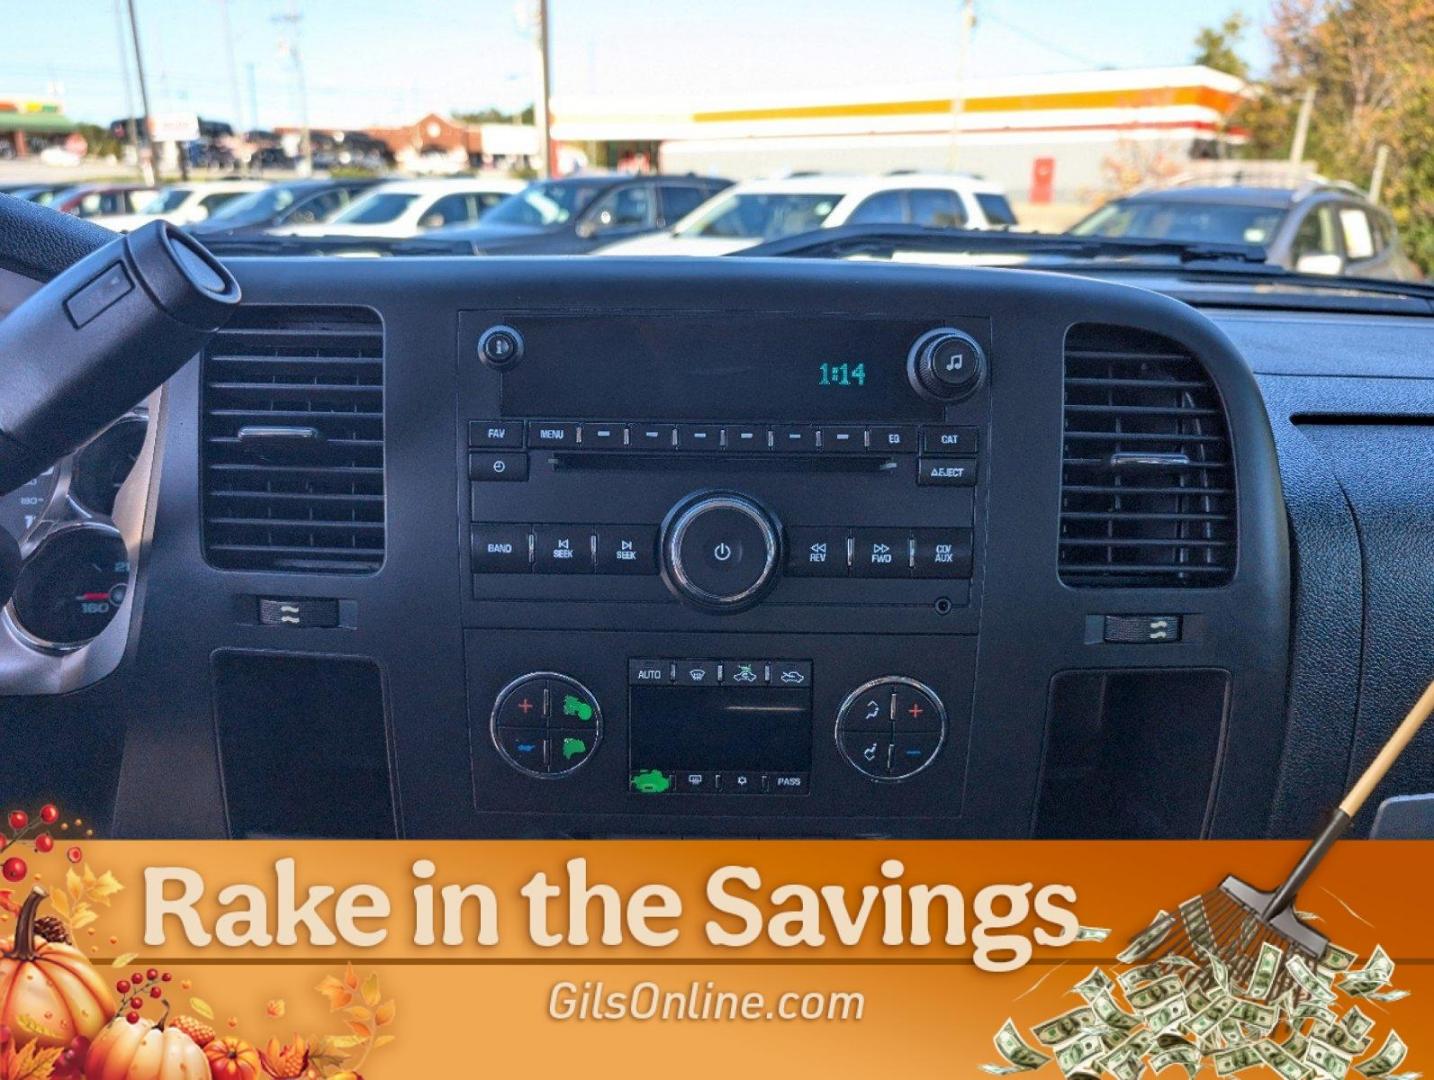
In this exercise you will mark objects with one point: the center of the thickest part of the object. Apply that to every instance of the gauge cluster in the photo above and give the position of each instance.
(76, 571)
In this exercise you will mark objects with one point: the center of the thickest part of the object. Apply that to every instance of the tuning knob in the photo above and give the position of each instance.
(946, 365)
(719, 551)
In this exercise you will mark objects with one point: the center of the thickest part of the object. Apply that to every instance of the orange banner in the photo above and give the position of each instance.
(850, 958)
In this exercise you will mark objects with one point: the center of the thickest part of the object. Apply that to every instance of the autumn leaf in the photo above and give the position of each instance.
(341, 1042)
(338, 994)
(202, 1007)
(34, 1063)
(103, 888)
(351, 979)
(74, 885)
(123, 960)
(384, 1014)
(363, 1031)
(61, 903)
(371, 995)
(276, 1008)
(84, 915)
(383, 1040)
(359, 1013)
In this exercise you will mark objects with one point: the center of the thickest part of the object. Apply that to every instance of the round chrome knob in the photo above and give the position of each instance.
(946, 365)
(719, 551)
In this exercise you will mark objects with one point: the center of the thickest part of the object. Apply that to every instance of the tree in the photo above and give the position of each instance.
(491, 115)
(1216, 46)
(1371, 64)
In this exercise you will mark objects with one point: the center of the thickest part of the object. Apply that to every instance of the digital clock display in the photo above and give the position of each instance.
(704, 366)
(842, 375)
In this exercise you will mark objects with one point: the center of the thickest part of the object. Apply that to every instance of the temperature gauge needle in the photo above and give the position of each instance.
(94, 596)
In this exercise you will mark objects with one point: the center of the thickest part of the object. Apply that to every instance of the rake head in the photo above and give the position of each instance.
(1231, 925)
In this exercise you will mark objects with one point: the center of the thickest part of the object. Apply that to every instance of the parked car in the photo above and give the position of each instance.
(573, 215)
(1318, 228)
(43, 194)
(94, 200)
(182, 204)
(300, 202)
(756, 211)
(409, 207)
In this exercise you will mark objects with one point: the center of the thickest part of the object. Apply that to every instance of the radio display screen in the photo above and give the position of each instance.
(711, 367)
(677, 730)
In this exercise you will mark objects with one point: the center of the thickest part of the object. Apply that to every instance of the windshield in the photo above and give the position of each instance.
(257, 205)
(378, 208)
(541, 205)
(759, 215)
(166, 201)
(1179, 220)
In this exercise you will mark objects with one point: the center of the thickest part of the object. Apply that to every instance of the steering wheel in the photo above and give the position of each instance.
(116, 317)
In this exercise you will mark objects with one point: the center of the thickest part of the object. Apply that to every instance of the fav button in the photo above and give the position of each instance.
(562, 549)
(495, 433)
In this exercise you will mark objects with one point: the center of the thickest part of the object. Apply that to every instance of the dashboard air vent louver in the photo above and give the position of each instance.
(1147, 478)
(293, 441)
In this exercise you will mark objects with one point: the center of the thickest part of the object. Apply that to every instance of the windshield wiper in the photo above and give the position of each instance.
(886, 240)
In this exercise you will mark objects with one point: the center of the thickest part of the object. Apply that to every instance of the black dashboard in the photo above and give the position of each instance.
(557, 547)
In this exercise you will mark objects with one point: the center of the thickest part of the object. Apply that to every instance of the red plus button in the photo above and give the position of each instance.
(526, 705)
(915, 710)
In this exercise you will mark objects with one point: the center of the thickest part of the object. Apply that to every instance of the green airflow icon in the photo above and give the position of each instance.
(573, 748)
(576, 706)
(651, 782)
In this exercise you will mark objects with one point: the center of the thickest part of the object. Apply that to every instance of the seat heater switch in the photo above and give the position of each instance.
(1142, 629)
(298, 613)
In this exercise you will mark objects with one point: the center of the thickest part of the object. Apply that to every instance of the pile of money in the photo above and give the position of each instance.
(1299, 1017)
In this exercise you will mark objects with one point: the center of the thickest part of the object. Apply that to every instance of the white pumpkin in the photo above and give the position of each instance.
(144, 1051)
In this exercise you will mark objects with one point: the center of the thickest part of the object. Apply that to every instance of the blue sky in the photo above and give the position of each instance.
(381, 61)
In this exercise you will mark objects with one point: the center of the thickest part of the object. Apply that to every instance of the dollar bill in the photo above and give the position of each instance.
(1281, 1060)
(1208, 1019)
(1236, 1059)
(1259, 1016)
(1339, 1037)
(1219, 973)
(1184, 1055)
(1092, 933)
(1112, 1015)
(1149, 939)
(1019, 1056)
(1336, 959)
(1065, 1027)
(1308, 981)
(1153, 995)
(1374, 975)
(1144, 973)
(1355, 1022)
(1313, 1010)
(1391, 1055)
(1094, 985)
(1168, 1015)
(1296, 1044)
(1387, 995)
(1329, 1060)
(1267, 966)
(1197, 923)
(1079, 1052)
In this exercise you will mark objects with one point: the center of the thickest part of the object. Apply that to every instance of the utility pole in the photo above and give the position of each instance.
(965, 21)
(541, 113)
(132, 136)
(290, 45)
(234, 99)
(148, 166)
(1302, 127)
(253, 96)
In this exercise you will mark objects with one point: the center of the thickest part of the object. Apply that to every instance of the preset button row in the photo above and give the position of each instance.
(733, 438)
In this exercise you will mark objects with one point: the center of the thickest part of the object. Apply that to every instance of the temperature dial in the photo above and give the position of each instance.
(946, 365)
(72, 585)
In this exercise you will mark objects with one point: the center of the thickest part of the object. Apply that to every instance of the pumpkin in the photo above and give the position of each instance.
(49, 994)
(144, 1050)
(232, 1059)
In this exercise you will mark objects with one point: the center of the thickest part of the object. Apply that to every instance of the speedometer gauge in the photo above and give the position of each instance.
(21, 508)
(71, 586)
(102, 466)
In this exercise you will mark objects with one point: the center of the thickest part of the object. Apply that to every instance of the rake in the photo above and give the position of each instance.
(1232, 922)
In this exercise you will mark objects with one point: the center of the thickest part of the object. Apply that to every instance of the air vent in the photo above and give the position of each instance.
(1147, 480)
(293, 441)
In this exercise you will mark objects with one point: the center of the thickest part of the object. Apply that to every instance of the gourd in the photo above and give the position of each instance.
(49, 993)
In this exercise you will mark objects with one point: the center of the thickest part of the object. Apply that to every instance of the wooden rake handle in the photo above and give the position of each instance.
(1365, 785)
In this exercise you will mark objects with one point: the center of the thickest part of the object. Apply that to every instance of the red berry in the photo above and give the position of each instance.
(166, 977)
(122, 986)
(152, 974)
(49, 813)
(68, 1058)
(74, 854)
(155, 992)
(19, 819)
(132, 1017)
(136, 1003)
(15, 869)
(137, 978)
(44, 843)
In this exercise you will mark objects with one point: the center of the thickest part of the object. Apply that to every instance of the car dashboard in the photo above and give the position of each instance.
(549, 547)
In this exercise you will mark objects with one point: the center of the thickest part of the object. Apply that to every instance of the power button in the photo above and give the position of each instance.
(500, 347)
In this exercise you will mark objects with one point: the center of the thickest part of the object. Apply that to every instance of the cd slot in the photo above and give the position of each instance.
(610, 461)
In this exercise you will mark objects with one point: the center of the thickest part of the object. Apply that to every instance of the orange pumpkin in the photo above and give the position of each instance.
(232, 1059)
(144, 1051)
(49, 994)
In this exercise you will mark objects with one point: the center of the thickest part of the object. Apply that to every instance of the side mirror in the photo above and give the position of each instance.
(431, 221)
(1319, 264)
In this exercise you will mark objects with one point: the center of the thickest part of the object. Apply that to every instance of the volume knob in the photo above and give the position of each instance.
(946, 365)
(719, 551)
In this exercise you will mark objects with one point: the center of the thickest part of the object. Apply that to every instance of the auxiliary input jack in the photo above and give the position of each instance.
(943, 606)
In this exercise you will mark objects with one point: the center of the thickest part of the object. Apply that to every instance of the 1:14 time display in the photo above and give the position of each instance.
(842, 375)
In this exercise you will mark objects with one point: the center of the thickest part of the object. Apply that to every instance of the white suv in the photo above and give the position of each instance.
(756, 211)
(403, 208)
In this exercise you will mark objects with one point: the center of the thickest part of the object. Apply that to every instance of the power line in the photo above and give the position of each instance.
(1036, 39)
